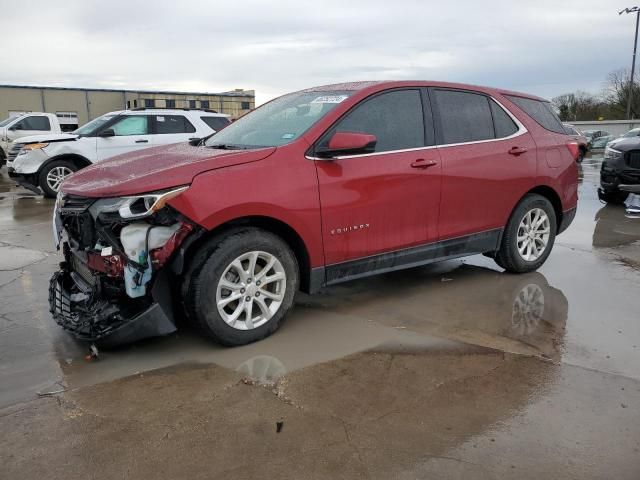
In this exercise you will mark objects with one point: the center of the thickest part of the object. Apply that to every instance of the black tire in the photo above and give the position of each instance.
(581, 153)
(615, 197)
(508, 256)
(199, 290)
(42, 177)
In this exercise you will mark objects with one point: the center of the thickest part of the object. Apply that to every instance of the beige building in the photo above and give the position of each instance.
(76, 106)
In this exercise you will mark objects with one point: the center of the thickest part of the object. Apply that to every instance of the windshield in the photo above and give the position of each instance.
(278, 122)
(7, 121)
(630, 133)
(93, 125)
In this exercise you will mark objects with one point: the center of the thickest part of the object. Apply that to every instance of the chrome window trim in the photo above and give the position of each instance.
(521, 131)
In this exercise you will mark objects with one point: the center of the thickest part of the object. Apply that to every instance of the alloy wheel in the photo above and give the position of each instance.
(251, 290)
(56, 176)
(533, 234)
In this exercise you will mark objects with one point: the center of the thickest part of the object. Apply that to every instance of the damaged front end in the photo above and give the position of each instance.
(114, 285)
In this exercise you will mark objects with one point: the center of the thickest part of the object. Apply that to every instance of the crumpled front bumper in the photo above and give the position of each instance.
(77, 307)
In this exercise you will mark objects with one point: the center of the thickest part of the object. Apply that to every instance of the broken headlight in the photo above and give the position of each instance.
(137, 206)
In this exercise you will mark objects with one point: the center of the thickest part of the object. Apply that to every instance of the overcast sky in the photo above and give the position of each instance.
(541, 47)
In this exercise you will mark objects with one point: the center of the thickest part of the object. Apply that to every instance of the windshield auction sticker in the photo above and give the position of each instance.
(330, 99)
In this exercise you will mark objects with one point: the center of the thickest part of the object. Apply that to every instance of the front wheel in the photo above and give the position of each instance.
(243, 290)
(52, 176)
(529, 235)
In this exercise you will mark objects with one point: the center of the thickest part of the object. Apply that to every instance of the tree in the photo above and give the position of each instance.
(579, 106)
(617, 94)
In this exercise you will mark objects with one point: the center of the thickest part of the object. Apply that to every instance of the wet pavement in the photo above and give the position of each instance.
(454, 370)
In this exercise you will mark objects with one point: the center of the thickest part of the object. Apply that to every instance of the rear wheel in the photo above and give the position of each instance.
(529, 235)
(244, 288)
(53, 174)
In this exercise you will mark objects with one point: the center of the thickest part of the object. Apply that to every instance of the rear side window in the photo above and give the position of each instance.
(503, 123)
(464, 116)
(540, 111)
(166, 124)
(216, 123)
(395, 118)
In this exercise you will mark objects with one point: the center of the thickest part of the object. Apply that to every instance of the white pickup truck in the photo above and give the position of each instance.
(32, 123)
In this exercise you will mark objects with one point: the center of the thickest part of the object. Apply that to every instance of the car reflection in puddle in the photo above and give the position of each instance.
(614, 228)
(450, 307)
(519, 314)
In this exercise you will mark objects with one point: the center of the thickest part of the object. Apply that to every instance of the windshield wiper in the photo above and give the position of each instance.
(227, 146)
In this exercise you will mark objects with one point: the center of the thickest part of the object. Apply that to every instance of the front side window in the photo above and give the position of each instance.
(134, 125)
(41, 124)
(395, 118)
(278, 122)
(540, 111)
(166, 124)
(464, 116)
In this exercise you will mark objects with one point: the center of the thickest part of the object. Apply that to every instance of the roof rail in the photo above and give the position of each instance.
(139, 109)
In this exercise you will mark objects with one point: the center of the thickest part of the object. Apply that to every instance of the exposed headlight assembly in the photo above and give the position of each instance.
(137, 206)
(32, 146)
(612, 154)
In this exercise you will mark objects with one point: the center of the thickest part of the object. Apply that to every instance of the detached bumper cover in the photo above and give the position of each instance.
(77, 308)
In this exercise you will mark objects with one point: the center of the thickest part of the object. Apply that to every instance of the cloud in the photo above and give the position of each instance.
(543, 47)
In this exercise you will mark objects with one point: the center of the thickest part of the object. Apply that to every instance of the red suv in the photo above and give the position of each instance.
(311, 189)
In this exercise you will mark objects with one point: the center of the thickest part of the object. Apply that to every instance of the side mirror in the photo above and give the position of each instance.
(348, 143)
(107, 133)
(194, 142)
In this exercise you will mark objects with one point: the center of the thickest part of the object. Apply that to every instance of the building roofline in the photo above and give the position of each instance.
(244, 93)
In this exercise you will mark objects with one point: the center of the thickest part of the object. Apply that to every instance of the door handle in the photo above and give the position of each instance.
(422, 163)
(517, 151)
(142, 141)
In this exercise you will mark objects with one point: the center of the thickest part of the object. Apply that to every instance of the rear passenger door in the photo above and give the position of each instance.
(172, 129)
(488, 161)
(386, 200)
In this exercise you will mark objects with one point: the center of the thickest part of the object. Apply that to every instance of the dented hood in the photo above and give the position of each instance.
(154, 169)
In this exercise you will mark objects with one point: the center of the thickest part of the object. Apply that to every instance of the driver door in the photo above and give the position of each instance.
(387, 200)
(130, 133)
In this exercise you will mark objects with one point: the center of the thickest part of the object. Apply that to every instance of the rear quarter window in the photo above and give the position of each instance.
(541, 112)
(216, 123)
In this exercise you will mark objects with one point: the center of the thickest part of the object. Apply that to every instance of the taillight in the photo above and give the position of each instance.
(574, 149)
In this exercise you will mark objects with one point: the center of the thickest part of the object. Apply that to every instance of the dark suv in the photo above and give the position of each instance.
(621, 166)
(311, 189)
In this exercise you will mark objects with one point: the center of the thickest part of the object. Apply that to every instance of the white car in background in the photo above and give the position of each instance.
(43, 161)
